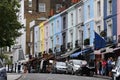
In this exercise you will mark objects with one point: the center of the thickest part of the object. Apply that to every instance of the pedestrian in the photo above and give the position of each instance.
(104, 67)
(109, 66)
(19, 67)
(100, 67)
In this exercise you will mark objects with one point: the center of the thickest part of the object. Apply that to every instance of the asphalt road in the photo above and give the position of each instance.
(34, 76)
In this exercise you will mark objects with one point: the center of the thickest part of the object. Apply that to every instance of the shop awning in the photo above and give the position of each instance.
(116, 49)
(88, 50)
(69, 53)
(99, 42)
(75, 54)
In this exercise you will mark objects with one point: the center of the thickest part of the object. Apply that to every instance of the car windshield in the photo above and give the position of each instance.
(77, 62)
(61, 63)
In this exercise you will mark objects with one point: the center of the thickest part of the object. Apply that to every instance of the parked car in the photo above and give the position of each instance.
(73, 65)
(116, 70)
(59, 67)
(87, 69)
(3, 73)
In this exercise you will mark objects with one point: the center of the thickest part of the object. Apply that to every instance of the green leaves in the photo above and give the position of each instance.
(9, 25)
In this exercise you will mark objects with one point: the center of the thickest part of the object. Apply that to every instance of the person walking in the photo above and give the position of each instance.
(19, 67)
(104, 67)
(109, 66)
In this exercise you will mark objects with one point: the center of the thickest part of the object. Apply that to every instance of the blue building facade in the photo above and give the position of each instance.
(110, 20)
(57, 37)
(89, 21)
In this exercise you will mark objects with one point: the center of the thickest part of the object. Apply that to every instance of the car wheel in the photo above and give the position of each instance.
(118, 78)
(72, 72)
(66, 72)
(91, 73)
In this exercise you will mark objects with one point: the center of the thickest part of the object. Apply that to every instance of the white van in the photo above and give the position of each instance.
(116, 70)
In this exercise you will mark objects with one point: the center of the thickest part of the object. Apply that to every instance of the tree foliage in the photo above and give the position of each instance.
(9, 24)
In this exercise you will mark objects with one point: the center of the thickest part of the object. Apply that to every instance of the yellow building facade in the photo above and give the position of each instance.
(42, 37)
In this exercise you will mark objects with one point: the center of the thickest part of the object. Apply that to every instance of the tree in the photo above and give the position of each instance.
(9, 24)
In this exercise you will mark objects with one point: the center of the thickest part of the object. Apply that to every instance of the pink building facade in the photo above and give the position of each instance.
(118, 19)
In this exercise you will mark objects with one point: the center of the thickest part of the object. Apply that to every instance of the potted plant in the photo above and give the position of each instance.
(87, 41)
(103, 33)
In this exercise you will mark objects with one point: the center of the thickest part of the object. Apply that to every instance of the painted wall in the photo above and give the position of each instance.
(118, 18)
(89, 21)
(112, 17)
(79, 23)
(36, 40)
(42, 37)
(99, 19)
(71, 26)
(57, 32)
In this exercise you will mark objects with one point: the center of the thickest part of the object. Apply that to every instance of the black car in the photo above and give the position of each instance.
(87, 70)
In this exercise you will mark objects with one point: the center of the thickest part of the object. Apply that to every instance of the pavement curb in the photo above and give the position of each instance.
(104, 77)
(19, 77)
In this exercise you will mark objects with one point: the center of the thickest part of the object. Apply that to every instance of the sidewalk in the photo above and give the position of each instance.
(13, 76)
(104, 77)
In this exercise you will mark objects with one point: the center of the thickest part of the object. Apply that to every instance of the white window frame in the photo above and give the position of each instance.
(58, 24)
(109, 7)
(80, 14)
(88, 11)
(72, 19)
(98, 29)
(98, 8)
(109, 31)
(88, 30)
(30, 3)
(42, 7)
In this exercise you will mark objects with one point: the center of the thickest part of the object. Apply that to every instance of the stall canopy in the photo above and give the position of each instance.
(88, 50)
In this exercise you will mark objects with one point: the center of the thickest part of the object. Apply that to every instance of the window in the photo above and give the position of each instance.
(30, 3)
(57, 24)
(109, 7)
(58, 6)
(47, 31)
(88, 30)
(88, 11)
(71, 18)
(52, 28)
(80, 14)
(109, 28)
(64, 22)
(57, 39)
(99, 29)
(42, 7)
(71, 37)
(98, 8)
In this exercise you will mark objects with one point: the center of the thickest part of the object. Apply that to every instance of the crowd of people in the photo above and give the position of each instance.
(104, 67)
